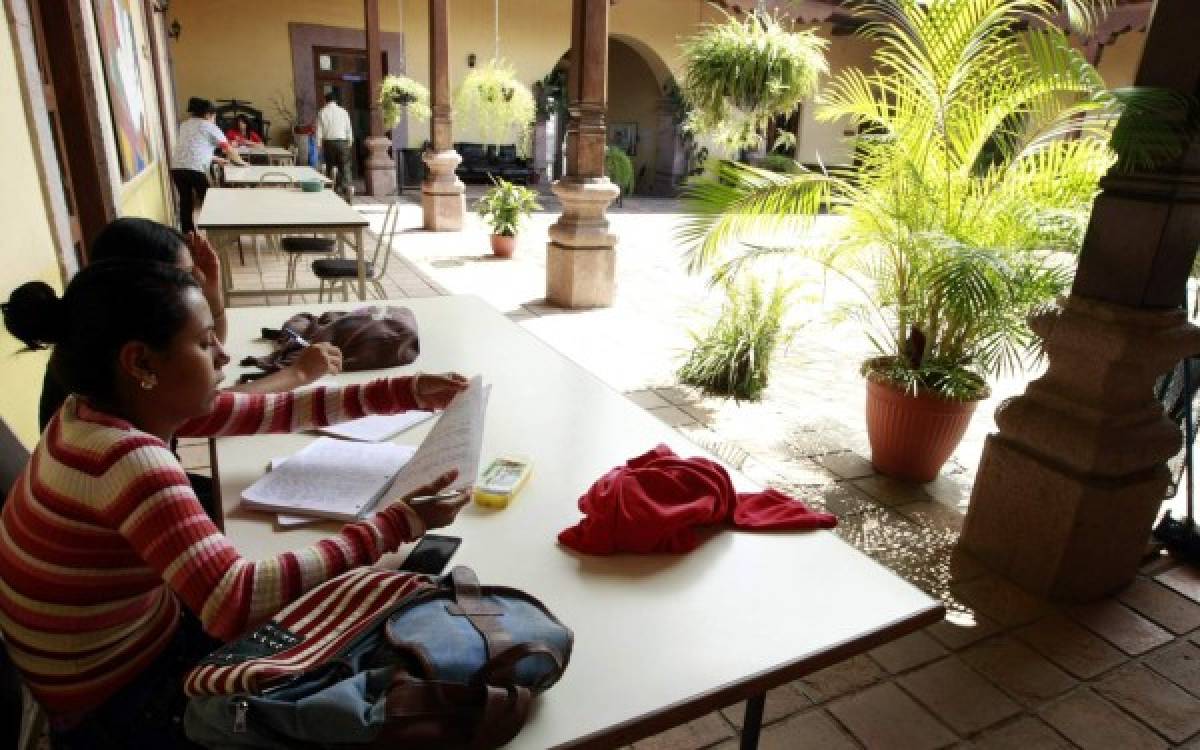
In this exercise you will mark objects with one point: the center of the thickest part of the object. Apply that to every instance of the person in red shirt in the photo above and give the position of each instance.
(242, 135)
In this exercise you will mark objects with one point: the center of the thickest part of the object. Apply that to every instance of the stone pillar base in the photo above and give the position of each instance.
(1055, 532)
(442, 200)
(581, 256)
(381, 170)
(1068, 489)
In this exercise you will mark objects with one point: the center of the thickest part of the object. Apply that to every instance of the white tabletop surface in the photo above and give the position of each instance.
(270, 150)
(229, 208)
(660, 639)
(252, 175)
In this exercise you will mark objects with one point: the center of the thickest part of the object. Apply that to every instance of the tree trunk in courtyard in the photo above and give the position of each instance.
(442, 199)
(581, 256)
(381, 170)
(1070, 485)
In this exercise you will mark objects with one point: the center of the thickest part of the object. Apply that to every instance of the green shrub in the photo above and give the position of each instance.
(619, 168)
(733, 357)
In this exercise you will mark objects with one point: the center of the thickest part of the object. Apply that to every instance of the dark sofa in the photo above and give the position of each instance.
(480, 163)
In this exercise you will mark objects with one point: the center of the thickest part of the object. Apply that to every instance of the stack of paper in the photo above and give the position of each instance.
(376, 427)
(329, 479)
(454, 443)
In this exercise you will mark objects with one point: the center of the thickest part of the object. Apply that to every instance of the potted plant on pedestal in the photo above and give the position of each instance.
(958, 220)
(504, 206)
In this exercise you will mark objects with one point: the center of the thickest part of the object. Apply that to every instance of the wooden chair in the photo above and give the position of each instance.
(340, 273)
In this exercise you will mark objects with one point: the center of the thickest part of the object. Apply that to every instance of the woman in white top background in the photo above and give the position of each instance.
(199, 137)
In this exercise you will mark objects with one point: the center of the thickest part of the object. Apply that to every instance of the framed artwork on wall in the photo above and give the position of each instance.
(123, 81)
(624, 135)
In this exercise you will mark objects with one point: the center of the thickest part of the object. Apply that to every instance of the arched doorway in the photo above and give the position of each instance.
(640, 118)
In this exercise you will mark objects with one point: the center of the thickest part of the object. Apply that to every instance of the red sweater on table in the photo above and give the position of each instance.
(102, 539)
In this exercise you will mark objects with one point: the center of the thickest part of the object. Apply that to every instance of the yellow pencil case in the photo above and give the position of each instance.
(501, 481)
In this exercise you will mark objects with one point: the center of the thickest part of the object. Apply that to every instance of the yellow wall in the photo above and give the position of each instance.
(826, 142)
(241, 49)
(26, 246)
(144, 196)
(1119, 60)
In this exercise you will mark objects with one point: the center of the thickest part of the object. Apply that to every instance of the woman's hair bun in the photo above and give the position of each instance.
(35, 315)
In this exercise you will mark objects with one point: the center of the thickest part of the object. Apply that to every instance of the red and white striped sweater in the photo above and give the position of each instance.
(102, 538)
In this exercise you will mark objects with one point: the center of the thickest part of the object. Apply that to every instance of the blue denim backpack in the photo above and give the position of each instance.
(378, 658)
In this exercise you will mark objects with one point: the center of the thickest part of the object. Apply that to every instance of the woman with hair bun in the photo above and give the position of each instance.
(113, 580)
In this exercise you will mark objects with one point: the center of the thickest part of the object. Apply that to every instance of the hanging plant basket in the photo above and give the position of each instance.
(498, 104)
(742, 73)
(399, 95)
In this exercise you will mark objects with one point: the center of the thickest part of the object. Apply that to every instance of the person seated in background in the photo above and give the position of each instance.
(113, 581)
(241, 134)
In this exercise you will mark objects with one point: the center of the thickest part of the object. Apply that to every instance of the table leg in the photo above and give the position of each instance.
(362, 268)
(752, 723)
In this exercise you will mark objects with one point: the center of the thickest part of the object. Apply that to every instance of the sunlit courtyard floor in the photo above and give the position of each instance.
(1004, 671)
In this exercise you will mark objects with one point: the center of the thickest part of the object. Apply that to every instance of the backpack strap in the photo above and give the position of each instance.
(483, 615)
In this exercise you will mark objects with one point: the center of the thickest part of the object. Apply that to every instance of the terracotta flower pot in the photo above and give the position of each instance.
(913, 436)
(503, 245)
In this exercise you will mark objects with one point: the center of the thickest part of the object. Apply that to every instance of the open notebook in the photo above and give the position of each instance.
(329, 479)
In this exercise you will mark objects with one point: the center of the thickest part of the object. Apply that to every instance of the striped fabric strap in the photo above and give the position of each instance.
(324, 621)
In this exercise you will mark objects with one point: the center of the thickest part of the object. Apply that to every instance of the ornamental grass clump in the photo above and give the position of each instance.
(733, 357)
(619, 168)
(985, 134)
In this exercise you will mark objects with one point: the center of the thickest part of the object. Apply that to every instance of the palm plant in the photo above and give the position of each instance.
(505, 205)
(741, 73)
(985, 135)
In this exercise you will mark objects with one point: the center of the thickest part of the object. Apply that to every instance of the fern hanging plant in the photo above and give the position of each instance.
(399, 94)
(741, 73)
(500, 106)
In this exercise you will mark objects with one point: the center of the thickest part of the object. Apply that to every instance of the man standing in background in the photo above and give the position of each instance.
(336, 136)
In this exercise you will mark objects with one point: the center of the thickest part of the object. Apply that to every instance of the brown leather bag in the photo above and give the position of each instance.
(371, 338)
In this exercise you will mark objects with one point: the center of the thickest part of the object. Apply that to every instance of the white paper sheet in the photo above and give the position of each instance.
(453, 443)
(329, 479)
(377, 427)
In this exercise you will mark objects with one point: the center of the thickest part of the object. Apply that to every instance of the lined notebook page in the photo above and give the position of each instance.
(329, 479)
(376, 427)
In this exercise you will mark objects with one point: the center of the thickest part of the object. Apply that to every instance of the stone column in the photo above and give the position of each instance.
(581, 256)
(441, 192)
(381, 170)
(1068, 488)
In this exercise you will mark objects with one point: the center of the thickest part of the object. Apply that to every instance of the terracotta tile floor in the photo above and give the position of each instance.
(1005, 670)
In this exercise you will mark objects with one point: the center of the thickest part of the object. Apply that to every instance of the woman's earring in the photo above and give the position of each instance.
(149, 382)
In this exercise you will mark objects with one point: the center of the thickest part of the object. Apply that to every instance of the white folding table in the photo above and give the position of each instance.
(231, 213)
(660, 639)
(252, 176)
